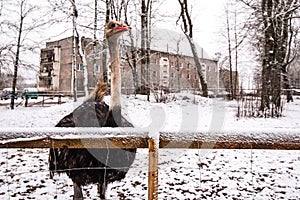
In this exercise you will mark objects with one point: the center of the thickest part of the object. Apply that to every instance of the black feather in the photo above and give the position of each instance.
(87, 166)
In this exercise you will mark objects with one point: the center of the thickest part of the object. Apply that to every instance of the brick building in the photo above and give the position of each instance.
(171, 65)
(56, 66)
(175, 72)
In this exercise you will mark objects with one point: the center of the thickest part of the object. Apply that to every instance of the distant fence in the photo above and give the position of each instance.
(277, 139)
(45, 99)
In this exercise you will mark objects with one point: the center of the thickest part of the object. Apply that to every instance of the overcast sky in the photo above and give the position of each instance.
(206, 19)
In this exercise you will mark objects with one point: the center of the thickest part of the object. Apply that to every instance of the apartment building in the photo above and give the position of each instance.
(56, 70)
(171, 66)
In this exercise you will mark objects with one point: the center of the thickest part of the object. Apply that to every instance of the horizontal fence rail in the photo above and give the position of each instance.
(284, 139)
(279, 139)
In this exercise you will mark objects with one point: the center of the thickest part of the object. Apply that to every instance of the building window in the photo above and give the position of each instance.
(80, 67)
(203, 66)
(51, 56)
(188, 76)
(97, 68)
(154, 73)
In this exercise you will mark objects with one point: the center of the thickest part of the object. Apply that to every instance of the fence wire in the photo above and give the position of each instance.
(218, 174)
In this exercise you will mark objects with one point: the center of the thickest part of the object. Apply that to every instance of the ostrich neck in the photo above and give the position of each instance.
(115, 101)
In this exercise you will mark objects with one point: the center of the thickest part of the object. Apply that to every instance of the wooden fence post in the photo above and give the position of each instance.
(59, 99)
(153, 169)
(26, 100)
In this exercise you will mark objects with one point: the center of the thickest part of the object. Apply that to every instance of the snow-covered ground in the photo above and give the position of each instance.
(183, 174)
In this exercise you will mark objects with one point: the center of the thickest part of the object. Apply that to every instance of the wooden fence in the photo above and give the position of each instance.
(277, 139)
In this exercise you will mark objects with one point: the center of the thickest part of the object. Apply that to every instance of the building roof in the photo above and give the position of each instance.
(165, 40)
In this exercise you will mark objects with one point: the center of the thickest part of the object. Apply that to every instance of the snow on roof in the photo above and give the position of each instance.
(165, 40)
(296, 90)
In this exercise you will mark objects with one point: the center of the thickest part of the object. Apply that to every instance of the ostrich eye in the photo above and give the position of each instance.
(113, 25)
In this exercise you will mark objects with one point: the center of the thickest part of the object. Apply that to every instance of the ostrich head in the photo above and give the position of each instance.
(114, 29)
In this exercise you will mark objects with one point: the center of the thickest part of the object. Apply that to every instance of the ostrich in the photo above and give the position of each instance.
(101, 166)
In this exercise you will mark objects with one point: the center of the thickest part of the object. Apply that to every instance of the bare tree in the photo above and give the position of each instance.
(132, 57)
(229, 53)
(144, 26)
(187, 28)
(20, 19)
(139, 54)
(146, 10)
(5, 59)
(235, 89)
(274, 22)
(95, 39)
(74, 52)
(233, 36)
(104, 42)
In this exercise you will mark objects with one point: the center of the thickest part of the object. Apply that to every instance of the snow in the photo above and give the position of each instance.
(183, 173)
(21, 134)
(165, 40)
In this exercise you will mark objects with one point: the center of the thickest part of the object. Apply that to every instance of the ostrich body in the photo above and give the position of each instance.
(101, 166)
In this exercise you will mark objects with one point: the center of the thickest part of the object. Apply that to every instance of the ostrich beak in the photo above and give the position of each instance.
(122, 27)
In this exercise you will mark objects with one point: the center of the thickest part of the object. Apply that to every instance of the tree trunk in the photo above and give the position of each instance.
(16, 65)
(132, 57)
(198, 66)
(134, 65)
(230, 58)
(82, 55)
(104, 44)
(132, 62)
(267, 56)
(277, 35)
(143, 45)
(95, 43)
(148, 43)
(74, 52)
(284, 51)
(188, 31)
(236, 58)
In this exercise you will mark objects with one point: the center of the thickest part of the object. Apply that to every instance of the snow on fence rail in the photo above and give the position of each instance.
(280, 139)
